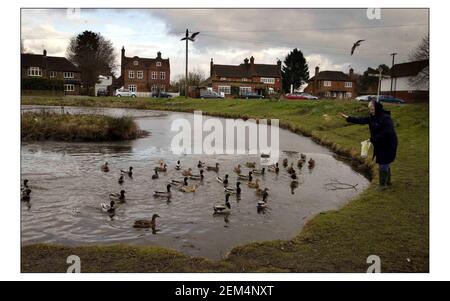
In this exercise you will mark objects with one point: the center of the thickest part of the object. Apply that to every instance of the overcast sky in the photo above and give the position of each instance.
(229, 35)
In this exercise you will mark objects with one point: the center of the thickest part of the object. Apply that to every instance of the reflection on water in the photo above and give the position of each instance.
(68, 188)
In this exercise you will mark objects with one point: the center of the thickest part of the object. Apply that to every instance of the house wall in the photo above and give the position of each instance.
(254, 83)
(145, 84)
(76, 80)
(317, 88)
(401, 88)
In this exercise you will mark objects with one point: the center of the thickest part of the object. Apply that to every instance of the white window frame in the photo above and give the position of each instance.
(154, 75)
(271, 90)
(245, 90)
(162, 75)
(130, 73)
(69, 87)
(158, 64)
(224, 89)
(327, 83)
(348, 84)
(327, 94)
(135, 63)
(268, 80)
(244, 79)
(348, 94)
(223, 78)
(34, 71)
(140, 74)
(154, 88)
(53, 74)
(132, 88)
(68, 75)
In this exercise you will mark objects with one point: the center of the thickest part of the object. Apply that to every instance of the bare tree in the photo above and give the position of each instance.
(195, 78)
(422, 52)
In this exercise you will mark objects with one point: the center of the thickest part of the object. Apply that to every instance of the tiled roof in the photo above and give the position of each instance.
(331, 75)
(245, 70)
(51, 63)
(148, 62)
(408, 69)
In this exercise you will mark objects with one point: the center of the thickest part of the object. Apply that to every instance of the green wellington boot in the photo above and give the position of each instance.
(383, 176)
(388, 180)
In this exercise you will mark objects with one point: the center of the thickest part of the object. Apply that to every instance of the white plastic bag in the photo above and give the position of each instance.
(365, 146)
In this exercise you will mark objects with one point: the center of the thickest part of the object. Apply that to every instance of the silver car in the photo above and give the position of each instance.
(125, 93)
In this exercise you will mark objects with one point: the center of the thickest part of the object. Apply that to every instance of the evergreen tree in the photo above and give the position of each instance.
(295, 70)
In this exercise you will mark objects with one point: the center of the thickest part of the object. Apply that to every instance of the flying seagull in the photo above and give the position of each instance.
(190, 38)
(358, 43)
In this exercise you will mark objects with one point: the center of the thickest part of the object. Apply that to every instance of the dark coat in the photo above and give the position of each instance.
(382, 135)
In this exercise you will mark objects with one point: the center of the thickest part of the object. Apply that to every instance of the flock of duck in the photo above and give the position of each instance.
(251, 178)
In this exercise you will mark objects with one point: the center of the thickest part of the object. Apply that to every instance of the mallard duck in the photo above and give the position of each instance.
(178, 166)
(120, 181)
(311, 163)
(300, 163)
(253, 184)
(187, 172)
(248, 178)
(236, 191)
(293, 176)
(179, 183)
(265, 155)
(166, 193)
(223, 180)
(251, 164)
(274, 168)
(285, 162)
(129, 172)
(198, 177)
(200, 164)
(259, 172)
(262, 204)
(291, 169)
(118, 197)
(155, 175)
(223, 208)
(237, 169)
(105, 167)
(191, 188)
(108, 208)
(25, 185)
(25, 195)
(213, 168)
(260, 191)
(145, 224)
(303, 156)
(161, 168)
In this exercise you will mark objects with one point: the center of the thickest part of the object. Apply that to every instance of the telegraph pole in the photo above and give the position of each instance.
(188, 38)
(393, 60)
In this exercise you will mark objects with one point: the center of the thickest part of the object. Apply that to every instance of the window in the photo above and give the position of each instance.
(131, 74)
(225, 89)
(327, 83)
(162, 88)
(68, 75)
(348, 94)
(34, 71)
(327, 94)
(244, 79)
(135, 63)
(268, 80)
(162, 75)
(132, 88)
(53, 73)
(154, 75)
(69, 87)
(271, 91)
(243, 90)
(348, 84)
(158, 64)
(140, 74)
(154, 88)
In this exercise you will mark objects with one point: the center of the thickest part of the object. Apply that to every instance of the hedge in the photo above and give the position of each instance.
(42, 84)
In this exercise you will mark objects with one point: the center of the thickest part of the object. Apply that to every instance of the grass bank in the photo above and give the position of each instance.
(67, 127)
(393, 224)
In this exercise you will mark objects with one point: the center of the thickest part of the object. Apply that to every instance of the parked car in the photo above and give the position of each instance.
(251, 95)
(125, 93)
(364, 97)
(297, 95)
(161, 95)
(210, 94)
(390, 99)
(102, 92)
(309, 96)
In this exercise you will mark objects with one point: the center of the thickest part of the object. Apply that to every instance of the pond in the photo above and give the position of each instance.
(68, 187)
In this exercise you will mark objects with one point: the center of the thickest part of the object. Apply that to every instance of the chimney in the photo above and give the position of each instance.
(246, 61)
(252, 61)
(45, 52)
(159, 54)
(211, 66)
(122, 61)
(350, 72)
(317, 71)
(279, 64)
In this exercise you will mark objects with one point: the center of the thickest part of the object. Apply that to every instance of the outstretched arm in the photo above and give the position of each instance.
(357, 120)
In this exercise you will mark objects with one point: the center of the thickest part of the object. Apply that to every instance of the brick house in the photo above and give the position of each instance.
(402, 77)
(332, 84)
(246, 77)
(144, 74)
(51, 67)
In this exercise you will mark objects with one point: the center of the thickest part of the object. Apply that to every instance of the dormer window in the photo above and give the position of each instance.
(135, 63)
(158, 64)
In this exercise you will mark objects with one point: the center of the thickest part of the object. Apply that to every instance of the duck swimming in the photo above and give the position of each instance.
(179, 183)
(213, 168)
(237, 169)
(155, 175)
(223, 208)
(311, 163)
(162, 168)
(259, 172)
(166, 193)
(129, 172)
(254, 184)
(251, 164)
(178, 166)
(300, 163)
(247, 178)
(186, 188)
(261, 205)
(198, 177)
(291, 169)
(303, 156)
(118, 197)
(223, 180)
(105, 167)
(25, 195)
(108, 208)
(200, 164)
(293, 176)
(260, 191)
(236, 191)
(25, 185)
(145, 224)
(120, 181)
(285, 162)
(274, 168)
(187, 172)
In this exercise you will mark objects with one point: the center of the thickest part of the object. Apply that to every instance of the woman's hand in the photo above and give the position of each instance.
(343, 115)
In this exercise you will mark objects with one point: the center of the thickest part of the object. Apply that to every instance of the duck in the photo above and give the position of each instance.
(274, 168)
(253, 184)
(162, 168)
(198, 177)
(260, 191)
(251, 164)
(291, 169)
(262, 204)
(265, 155)
(223, 208)
(108, 208)
(105, 167)
(25, 185)
(285, 162)
(186, 188)
(178, 166)
(179, 183)
(294, 176)
(300, 163)
(200, 164)
(120, 181)
(145, 224)
(187, 172)
(166, 193)
(311, 163)
(244, 177)
(259, 172)
(129, 172)
(236, 191)
(223, 180)
(25, 195)
(118, 197)
(303, 156)
(155, 175)
(213, 168)
(237, 169)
